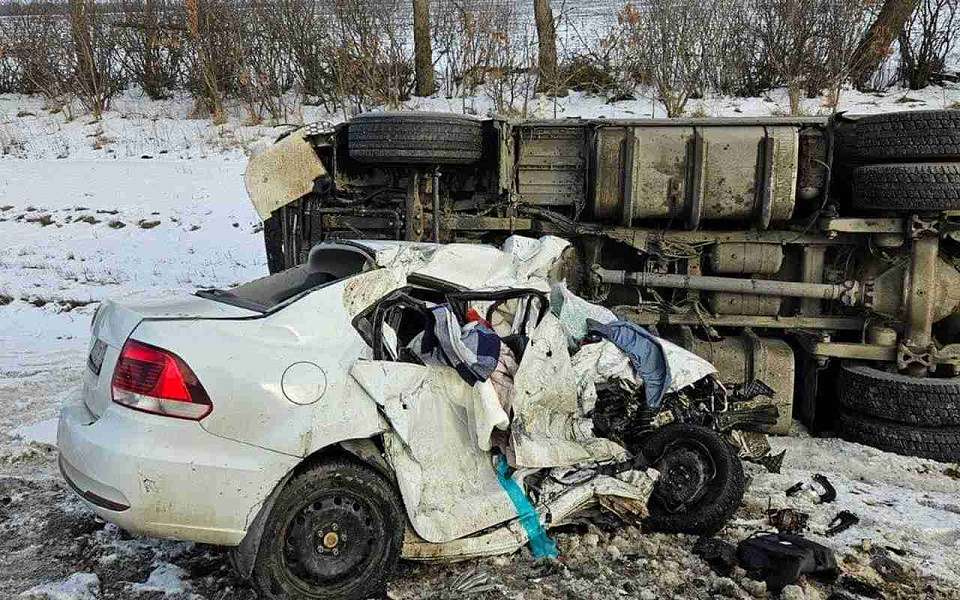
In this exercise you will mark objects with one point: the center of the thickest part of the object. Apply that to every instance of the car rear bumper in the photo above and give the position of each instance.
(165, 477)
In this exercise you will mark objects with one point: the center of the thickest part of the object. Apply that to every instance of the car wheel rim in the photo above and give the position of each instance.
(686, 471)
(331, 539)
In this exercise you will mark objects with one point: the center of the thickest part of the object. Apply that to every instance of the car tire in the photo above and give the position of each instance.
(937, 443)
(723, 495)
(415, 138)
(341, 506)
(923, 401)
(908, 187)
(909, 136)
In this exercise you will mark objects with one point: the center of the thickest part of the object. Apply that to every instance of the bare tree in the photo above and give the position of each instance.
(549, 80)
(422, 50)
(875, 44)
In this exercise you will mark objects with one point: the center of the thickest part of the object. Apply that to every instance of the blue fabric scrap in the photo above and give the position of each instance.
(645, 352)
(541, 545)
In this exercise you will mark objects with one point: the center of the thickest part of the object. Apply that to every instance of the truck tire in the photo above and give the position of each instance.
(908, 187)
(415, 138)
(336, 505)
(937, 443)
(909, 136)
(721, 496)
(923, 401)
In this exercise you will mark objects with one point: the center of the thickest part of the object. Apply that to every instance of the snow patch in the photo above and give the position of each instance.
(44, 432)
(167, 578)
(79, 586)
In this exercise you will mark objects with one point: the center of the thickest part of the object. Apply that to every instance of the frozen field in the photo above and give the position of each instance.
(147, 202)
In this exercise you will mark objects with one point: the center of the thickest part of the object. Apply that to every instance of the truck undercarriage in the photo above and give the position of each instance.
(797, 251)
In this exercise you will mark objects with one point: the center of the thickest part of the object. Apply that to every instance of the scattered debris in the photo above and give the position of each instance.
(780, 559)
(144, 224)
(116, 224)
(787, 520)
(829, 492)
(843, 521)
(720, 555)
(472, 582)
(826, 496)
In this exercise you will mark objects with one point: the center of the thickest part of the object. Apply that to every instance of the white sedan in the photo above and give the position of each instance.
(286, 419)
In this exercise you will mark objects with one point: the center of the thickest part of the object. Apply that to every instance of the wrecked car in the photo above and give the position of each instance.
(816, 254)
(395, 399)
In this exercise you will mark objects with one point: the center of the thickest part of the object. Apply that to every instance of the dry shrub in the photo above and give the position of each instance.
(594, 60)
(667, 45)
(511, 79)
(152, 46)
(372, 64)
(466, 38)
(34, 46)
(93, 58)
(927, 40)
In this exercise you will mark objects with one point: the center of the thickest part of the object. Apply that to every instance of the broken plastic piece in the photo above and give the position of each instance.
(772, 462)
(829, 492)
(787, 520)
(541, 545)
(780, 559)
(720, 555)
(842, 522)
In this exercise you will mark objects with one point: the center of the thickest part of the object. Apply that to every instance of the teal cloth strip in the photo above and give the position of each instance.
(541, 545)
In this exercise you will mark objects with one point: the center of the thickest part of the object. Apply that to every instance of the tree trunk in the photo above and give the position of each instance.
(549, 81)
(423, 53)
(876, 43)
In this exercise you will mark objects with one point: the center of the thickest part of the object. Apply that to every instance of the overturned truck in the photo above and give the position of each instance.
(817, 255)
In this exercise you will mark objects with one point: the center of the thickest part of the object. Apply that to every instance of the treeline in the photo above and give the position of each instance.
(272, 56)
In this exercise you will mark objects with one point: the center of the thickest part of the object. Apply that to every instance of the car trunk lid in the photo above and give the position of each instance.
(115, 322)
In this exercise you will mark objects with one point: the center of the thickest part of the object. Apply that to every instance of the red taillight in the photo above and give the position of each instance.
(157, 381)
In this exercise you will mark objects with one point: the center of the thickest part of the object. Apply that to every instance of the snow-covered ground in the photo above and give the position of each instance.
(147, 202)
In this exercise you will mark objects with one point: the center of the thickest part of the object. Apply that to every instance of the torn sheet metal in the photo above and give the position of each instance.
(284, 172)
(573, 312)
(686, 368)
(599, 363)
(524, 262)
(547, 429)
(532, 259)
(364, 290)
(626, 495)
(448, 484)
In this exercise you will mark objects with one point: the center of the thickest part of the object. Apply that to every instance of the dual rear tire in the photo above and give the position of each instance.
(912, 416)
(911, 161)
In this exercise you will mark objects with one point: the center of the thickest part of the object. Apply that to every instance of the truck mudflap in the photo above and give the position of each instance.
(284, 172)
